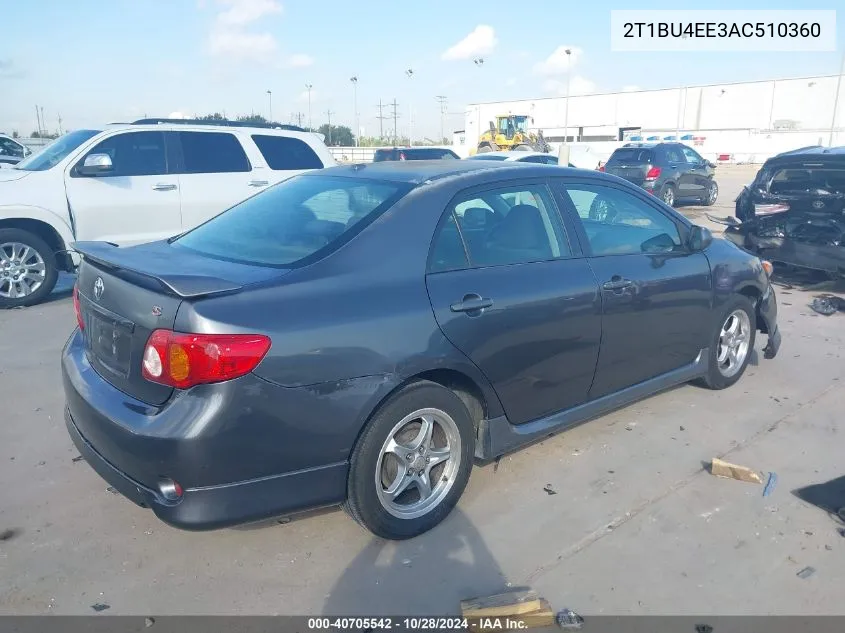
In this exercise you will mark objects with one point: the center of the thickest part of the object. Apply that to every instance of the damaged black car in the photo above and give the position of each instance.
(794, 210)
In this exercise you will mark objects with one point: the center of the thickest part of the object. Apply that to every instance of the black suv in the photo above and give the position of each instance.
(414, 153)
(671, 171)
(794, 210)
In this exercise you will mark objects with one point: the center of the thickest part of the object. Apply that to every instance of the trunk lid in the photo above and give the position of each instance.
(126, 293)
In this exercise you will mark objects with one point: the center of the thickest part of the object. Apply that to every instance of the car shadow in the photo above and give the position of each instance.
(829, 497)
(426, 575)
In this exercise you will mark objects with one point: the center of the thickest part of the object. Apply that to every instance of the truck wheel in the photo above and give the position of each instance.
(524, 148)
(28, 270)
(487, 147)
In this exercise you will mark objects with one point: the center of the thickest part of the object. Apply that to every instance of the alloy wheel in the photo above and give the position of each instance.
(22, 270)
(734, 343)
(418, 463)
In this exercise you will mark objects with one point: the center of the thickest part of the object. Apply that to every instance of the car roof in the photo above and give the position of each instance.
(513, 154)
(813, 151)
(419, 171)
(200, 127)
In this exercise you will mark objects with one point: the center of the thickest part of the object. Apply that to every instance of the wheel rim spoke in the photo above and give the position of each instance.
(423, 485)
(438, 456)
(399, 484)
(423, 439)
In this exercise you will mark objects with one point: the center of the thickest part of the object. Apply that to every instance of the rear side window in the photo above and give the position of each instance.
(282, 152)
(295, 222)
(212, 153)
(632, 156)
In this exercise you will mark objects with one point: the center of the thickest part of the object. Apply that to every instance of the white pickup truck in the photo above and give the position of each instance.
(133, 183)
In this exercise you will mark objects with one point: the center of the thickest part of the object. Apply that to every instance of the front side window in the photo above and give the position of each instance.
(499, 227)
(283, 152)
(619, 223)
(54, 153)
(294, 222)
(212, 153)
(134, 154)
(691, 156)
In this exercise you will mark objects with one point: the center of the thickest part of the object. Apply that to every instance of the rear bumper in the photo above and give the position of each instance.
(243, 451)
(222, 506)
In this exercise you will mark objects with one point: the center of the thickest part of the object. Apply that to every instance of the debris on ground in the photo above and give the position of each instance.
(112, 490)
(771, 482)
(568, 619)
(683, 428)
(732, 471)
(828, 304)
(78, 458)
(806, 572)
(630, 426)
(549, 490)
(522, 609)
(148, 622)
(8, 535)
(703, 628)
(829, 548)
(100, 607)
(496, 463)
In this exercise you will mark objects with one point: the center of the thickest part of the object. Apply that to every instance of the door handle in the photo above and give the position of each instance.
(617, 283)
(164, 187)
(472, 303)
(259, 183)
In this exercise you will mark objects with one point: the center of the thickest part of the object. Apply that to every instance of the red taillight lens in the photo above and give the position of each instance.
(183, 360)
(769, 209)
(653, 173)
(601, 167)
(78, 308)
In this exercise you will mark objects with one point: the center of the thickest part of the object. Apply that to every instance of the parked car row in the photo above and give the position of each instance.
(12, 151)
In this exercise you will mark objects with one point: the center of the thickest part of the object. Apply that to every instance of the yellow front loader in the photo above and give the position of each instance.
(510, 132)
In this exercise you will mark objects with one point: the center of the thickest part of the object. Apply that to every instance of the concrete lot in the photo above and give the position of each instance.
(636, 527)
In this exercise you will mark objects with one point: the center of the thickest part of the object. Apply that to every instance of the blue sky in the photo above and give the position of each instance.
(95, 62)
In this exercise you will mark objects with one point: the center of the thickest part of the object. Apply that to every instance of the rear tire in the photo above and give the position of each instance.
(524, 148)
(712, 194)
(402, 481)
(486, 147)
(28, 271)
(721, 373)
(667, 194)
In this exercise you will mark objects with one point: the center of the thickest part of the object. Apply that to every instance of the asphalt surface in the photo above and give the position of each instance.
(637, 525)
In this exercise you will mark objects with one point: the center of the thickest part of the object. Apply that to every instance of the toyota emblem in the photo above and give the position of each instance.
(818, 204)
(99, 288)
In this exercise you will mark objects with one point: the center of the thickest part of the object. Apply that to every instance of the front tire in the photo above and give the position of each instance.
(712, 194)
(731, 343)
(28, 271)
(411, 463)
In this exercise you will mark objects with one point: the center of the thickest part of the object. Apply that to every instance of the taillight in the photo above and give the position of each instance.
(181, 360)
(601, 167)
(78, 308)
(768, 267)
(653, 173)
(768, 209)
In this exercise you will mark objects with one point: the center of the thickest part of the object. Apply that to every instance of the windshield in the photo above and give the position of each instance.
(295, 222)
(632, 156)
(521, 123)
(55, 152)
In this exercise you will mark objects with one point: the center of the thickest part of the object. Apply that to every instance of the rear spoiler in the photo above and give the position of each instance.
(148, 266)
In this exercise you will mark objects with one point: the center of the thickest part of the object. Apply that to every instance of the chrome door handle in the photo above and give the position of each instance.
(472, 303)
(617, 283)
(164, 187)
(258, 183)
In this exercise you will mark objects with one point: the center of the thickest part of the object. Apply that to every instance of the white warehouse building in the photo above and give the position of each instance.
(763, 116)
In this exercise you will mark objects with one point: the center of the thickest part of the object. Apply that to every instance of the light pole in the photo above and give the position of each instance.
(566, 112)
(410, 75)
(308, 88)
(354, 81)
(836, 100)
(270, 99)
(442, 100)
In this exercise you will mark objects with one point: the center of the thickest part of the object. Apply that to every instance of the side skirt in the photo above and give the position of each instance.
(498, 436)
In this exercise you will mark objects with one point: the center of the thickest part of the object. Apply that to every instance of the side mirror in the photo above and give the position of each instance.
(699, 238)
(710, 164)
(95, 164)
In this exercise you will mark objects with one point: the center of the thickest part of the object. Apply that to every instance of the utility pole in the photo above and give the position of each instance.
(442, 101)
(270, 99)
(329, 114)
(836, 101)
(395, 117)
(381, 119)
(60, 125)
(44, 122)
(38, 119)
(308, 88)
(354, 80)
(568, 95)
(410, 75)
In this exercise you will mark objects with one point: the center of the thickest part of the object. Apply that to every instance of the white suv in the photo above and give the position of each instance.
(133, 183)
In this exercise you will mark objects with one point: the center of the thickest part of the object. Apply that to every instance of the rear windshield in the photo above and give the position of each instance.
(383, 154)
(295, 222)
(806, 178)
(632, 156)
